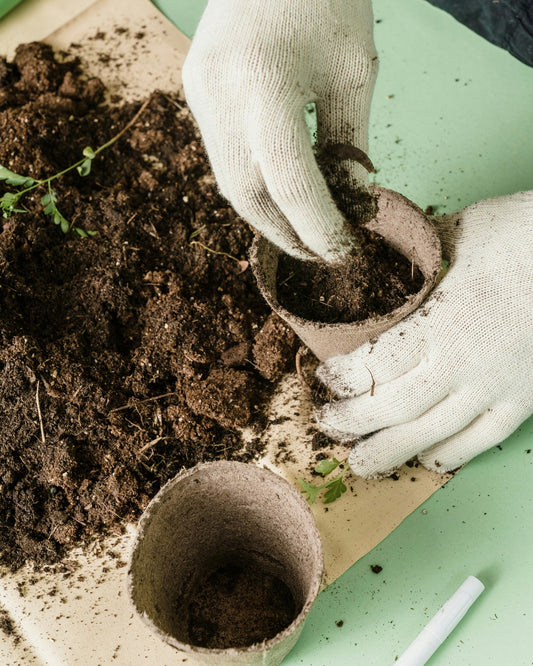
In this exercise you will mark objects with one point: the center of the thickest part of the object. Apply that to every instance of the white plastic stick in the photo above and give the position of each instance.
(441, 624)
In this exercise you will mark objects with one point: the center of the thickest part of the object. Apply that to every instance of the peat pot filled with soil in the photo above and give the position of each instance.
(335, 309)
(226, 564)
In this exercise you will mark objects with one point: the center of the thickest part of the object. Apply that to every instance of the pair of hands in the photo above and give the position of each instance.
(455, 377)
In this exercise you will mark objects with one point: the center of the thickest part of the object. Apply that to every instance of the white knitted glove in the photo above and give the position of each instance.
(252, 68)
(456, 377)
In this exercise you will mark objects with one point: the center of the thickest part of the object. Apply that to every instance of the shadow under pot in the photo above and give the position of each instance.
(226, 564)
(398, 225)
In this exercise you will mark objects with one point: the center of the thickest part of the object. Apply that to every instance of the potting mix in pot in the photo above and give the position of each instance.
(353, 291)
(134, 341)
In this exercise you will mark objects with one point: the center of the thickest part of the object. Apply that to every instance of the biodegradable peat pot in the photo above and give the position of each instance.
(405, 228)
(219, 517)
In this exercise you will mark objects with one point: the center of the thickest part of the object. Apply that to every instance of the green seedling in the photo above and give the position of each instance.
(332, 489)
(10, 202)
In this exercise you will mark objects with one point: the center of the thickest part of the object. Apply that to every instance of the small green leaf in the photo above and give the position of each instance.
(50, 197)
(8, 204)
(335, 489)
(84, 169)
(332, 489)
(15, 179)
(89, 153)
(61, 221)
(8, 200)
(310, 490)
(84, 233)
(20, 181)
(325, 467)
(49, 209)
(196, 232)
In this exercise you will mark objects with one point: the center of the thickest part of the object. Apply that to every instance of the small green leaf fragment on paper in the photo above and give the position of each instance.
(335, 489)
(310, 490)
(325, 467)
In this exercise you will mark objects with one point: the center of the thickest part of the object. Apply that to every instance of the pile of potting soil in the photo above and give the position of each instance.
(131, 354)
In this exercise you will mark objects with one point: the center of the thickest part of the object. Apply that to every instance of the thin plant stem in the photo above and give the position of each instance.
(209, 249)
(47, 181)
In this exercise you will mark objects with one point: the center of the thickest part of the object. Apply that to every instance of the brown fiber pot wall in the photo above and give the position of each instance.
(205, 518)
(404, 226)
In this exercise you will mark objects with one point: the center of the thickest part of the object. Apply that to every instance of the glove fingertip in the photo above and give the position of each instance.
(433, 464)
(361, 463)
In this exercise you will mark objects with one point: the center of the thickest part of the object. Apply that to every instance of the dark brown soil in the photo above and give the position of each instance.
(239, 606)
(130, 355)
(373, 281)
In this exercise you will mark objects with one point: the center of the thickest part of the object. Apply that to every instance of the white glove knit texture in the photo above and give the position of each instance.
(252, 68)
(456, 377)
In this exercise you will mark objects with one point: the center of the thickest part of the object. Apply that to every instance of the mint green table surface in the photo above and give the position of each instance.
(7, 5)
(452, 123)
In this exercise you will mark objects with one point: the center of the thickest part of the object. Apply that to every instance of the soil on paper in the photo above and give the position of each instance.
(126, 356)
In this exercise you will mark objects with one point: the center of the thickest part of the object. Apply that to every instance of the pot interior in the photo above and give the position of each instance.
(226, 534)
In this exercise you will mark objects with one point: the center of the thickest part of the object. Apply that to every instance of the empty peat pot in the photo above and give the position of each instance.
(226, 564)
(407, 229)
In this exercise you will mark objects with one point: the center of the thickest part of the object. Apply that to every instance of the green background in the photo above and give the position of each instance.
(7, 5)
(451, 123)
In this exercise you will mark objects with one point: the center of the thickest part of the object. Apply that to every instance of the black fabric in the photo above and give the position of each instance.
(506, 23)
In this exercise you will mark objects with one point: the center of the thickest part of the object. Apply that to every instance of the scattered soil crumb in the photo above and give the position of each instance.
(7, 626)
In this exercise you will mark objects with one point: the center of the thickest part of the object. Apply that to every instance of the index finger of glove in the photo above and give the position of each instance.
(295, 183)
(241, 182)
(396, 402)
(376, 362)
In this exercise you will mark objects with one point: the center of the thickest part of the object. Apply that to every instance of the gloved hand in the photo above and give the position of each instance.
(455, 377)
(252, 68)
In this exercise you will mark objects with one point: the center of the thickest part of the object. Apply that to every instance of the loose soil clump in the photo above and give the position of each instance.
(130, 355)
